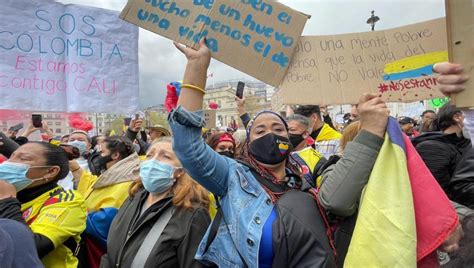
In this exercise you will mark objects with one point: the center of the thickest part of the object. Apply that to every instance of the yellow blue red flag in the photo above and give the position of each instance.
(404, 215)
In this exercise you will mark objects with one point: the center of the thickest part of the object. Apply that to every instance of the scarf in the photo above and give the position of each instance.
(125, 170)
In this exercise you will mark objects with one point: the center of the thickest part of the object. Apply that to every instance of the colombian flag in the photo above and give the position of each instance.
(404, 215)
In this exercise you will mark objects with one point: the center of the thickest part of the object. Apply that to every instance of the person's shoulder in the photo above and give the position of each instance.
(66, 198)
(69, 196)
(191, 216)
(310, 151)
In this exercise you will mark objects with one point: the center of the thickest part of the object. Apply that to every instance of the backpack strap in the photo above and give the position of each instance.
(72, 245)
(215, 224)
(151, 238)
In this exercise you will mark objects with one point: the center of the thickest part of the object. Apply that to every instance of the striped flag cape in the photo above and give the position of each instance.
(404, 215)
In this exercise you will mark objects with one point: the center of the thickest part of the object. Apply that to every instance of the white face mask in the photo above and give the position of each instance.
(465, 131)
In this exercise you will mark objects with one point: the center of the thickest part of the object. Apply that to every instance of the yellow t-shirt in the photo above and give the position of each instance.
(58, 215)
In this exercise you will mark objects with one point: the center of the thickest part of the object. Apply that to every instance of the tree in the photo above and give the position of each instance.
(117, 125)
(155, 118)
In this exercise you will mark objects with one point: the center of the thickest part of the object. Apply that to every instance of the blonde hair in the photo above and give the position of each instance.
(187, 193)
(349, 133)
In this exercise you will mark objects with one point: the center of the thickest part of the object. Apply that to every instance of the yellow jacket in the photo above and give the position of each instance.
(328, 133)
(104, 195)
(309, 161)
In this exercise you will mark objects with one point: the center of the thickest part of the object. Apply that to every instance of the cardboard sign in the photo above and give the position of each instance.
(255, 37)
(210, 118)
(56, 57)
(395, 63)
(460, 24)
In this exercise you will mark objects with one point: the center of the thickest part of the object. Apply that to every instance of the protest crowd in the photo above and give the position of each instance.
(272, 190)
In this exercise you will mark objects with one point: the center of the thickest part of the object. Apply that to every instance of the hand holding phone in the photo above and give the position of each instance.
(37, 120)
(240, 90)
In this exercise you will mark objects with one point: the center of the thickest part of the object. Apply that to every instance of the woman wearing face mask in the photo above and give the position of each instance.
(105, 194)
(264, 219)
(82, 142)
(450, 156)
(223, 144)
(164, 196)
(29, 193)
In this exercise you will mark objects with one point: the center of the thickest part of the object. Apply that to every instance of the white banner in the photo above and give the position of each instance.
(56, 57)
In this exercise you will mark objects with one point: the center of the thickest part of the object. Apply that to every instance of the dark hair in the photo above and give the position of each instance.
(55, 156)
(94, 140)
(445, 116)
(123, 146)
(308, 110)
(427, 112)
(213, 140)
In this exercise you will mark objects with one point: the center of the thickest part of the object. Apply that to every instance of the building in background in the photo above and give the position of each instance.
(257, 97)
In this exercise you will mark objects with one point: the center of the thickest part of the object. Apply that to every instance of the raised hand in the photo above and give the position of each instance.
(202, 56)
(451, 77)
(136, 125)
(240, 105)
(373, 114)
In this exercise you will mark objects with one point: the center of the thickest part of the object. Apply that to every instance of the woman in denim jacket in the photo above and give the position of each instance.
(249, 192)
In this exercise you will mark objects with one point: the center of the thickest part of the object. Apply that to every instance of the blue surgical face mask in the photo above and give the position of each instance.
(80, 145)
(156, 176)
(15, 173)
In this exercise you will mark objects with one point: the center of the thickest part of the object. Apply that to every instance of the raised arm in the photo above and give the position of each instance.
(202, 163)
(342, 184)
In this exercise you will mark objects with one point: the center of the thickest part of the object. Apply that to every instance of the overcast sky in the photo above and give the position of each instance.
(161, 63)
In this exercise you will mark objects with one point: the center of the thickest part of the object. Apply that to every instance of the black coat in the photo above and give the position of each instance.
(449, 159)
(299, 233)
(176, 246)
(462, 182)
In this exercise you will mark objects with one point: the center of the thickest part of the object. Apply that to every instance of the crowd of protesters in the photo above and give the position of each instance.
(181, 197)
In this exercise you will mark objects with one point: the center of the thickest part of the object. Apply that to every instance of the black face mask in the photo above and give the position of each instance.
(103, 161)
(226, 153)
(270, 149)
(296, 139)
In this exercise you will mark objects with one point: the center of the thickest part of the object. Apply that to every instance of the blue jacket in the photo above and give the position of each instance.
(245, 204)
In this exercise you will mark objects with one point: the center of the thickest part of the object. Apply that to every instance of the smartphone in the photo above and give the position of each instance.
(137, 116)
(37, 120)
(16, 128)
(240, 90)
(126, 121)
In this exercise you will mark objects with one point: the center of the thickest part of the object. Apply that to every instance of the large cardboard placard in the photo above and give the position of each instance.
(395, 63)
(255, 37)
(56, 57)
(210, 118)
(460, 24)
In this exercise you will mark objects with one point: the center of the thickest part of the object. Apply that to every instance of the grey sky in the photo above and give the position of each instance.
(161, 63)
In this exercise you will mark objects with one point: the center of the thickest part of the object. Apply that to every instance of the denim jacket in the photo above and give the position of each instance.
(245, 204)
